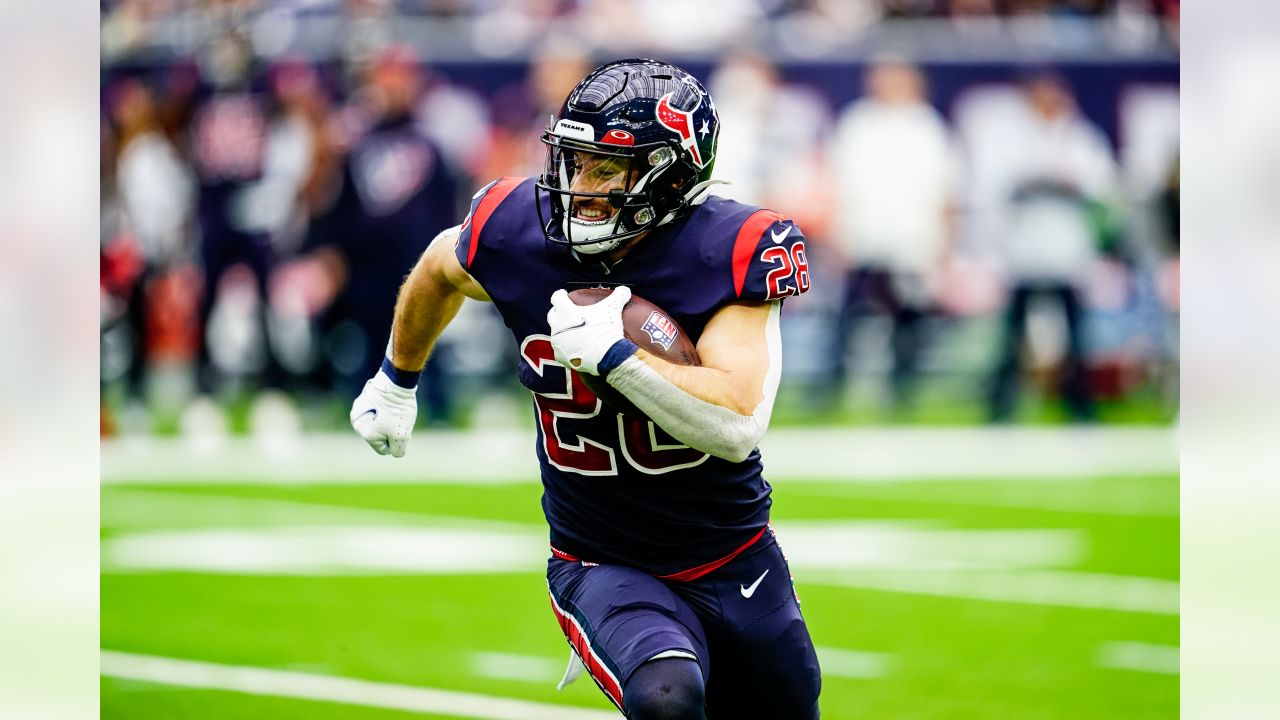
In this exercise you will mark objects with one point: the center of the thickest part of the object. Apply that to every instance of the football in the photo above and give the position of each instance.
(649, 327)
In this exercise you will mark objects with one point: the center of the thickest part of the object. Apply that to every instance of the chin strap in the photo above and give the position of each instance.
(691, 197)
(696, 196)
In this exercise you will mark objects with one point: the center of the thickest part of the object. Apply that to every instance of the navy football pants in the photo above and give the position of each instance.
(741, 623)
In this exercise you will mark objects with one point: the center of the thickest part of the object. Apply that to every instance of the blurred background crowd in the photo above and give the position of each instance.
(990, 189)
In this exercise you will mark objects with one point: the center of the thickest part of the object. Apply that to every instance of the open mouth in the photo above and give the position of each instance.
(592, 213)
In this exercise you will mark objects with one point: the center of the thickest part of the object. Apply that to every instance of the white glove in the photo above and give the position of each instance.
(384, 413)
(582, 334)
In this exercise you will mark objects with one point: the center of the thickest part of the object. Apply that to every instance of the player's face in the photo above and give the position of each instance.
(596, 174)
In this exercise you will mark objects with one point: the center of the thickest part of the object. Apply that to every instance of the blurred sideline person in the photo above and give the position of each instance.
(229, 144)
(895, 159)
(1061, 170)
(520, 111)
(149, 298)
(761, 111)
(298, 183)
(664, 574)
(302, 159)
(397, 193)
(458, 120)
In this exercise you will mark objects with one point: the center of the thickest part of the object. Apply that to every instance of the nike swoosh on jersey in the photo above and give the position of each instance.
(747, 592)
(778, 238)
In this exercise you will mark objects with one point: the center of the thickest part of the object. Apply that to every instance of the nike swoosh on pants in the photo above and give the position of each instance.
(747, 592)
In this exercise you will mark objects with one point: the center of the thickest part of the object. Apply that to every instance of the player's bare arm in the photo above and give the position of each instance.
(735, 360)
(386, 409)
(429, 300)
(723, 407)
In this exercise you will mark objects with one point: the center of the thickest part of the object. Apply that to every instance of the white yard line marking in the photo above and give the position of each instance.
(509, 666)
(851, 455)
(328, 688)
(328, 550)
(1143, 657)
(995, 565)
(1034, 587)
(924, 545)
(855, 664)
(1004, 565)
(794, 454)
(458, 548)
(1112, 500)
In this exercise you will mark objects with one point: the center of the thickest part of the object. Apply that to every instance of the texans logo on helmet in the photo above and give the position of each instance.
(681, 123)
(660, 329)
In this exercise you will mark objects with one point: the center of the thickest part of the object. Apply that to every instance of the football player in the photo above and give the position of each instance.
(664, 573)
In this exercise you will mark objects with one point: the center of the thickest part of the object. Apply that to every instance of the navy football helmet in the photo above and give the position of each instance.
(632, 149)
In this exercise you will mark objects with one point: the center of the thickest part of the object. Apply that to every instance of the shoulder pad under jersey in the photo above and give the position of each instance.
(769, 260)
(483, 204)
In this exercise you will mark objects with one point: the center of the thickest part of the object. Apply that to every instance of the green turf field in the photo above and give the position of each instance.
(939, 599)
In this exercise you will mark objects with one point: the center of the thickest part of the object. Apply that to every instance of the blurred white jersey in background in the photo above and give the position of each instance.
(895, 173)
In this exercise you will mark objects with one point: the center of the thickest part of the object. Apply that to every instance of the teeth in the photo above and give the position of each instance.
(592, 215)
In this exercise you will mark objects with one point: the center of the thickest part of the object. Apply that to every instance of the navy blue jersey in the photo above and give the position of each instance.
(618, 489)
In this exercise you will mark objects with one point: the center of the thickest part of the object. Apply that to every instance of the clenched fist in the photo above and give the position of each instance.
(384, 414)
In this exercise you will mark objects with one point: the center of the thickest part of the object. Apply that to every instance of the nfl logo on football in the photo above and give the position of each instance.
(661, 330)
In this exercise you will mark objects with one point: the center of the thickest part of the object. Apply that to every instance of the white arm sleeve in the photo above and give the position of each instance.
(697, 423)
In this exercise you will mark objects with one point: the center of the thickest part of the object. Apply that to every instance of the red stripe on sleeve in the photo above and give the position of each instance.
(488, 204)
(745, 246)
